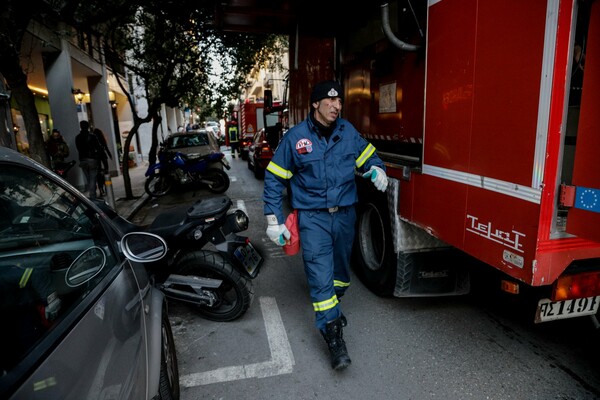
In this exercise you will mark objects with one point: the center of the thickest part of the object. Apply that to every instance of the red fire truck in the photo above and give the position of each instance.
(251, 121)
(486, 115)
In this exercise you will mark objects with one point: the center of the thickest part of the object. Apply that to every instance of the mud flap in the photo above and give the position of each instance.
(439, 272)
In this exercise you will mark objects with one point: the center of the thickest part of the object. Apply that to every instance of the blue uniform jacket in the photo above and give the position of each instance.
(320, 172)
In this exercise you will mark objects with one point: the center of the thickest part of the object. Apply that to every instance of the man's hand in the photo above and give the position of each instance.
(277, 232)
(378, 177)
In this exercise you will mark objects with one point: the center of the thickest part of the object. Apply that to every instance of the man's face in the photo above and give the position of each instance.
(327, 110)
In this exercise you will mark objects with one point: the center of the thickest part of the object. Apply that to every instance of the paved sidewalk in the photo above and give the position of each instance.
(128, 208)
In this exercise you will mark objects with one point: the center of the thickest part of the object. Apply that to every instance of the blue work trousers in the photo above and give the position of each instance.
(326, 239)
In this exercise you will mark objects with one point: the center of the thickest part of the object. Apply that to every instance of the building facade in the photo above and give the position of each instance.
(71, 81)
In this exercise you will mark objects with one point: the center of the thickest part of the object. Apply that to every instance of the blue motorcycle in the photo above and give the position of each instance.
(175, 168)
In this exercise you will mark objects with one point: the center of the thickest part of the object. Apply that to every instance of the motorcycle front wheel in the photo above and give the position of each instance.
(216, 179)
(233, 297)
(158, 185)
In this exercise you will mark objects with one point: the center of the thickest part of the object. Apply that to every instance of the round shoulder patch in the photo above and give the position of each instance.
(304, 146)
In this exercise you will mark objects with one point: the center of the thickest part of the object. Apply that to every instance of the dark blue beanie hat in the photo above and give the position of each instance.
(326, 89)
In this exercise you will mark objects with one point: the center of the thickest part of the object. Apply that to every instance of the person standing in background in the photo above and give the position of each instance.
(89, 149)
(234, 139)
(57, 149)
(105, 154)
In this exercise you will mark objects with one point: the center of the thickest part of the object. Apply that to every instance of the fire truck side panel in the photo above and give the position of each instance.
(584, 218)
(439, 207)
(450, 67)
(482, 91)
(506, 92)
(502, 231)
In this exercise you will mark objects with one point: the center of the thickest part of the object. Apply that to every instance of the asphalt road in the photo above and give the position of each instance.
(477, 346)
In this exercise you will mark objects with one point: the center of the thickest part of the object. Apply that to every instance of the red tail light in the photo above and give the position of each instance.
(264, 150)
(575, 286)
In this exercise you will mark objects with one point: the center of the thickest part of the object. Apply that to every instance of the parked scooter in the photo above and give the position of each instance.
(217, 282)
(176, 168)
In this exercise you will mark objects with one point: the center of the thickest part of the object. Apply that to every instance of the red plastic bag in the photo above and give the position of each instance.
(293, 245)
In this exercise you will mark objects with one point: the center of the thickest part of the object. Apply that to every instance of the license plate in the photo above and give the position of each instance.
(548, 310)
(249, 257)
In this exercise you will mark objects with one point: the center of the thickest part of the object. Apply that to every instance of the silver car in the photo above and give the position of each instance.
(193, 144)
(80, 319)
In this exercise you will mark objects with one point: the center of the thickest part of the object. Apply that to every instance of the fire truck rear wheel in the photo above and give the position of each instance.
(373, 260)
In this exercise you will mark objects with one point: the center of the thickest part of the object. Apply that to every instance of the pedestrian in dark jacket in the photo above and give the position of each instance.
(105, 154)
(89, 149)
(318, 159)
(57, 148)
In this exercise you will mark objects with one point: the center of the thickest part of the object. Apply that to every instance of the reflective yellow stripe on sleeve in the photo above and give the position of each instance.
(340, 283)
(278, 171)
(25, 277)
(367, 152)
(326, 304)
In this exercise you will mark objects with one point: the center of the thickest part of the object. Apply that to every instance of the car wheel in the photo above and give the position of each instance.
(169, 373)
(259, 173)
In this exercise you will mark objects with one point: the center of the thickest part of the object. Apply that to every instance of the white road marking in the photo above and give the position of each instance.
(241, 205)
(281, 362)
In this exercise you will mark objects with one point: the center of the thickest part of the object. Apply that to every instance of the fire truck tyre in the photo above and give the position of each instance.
(217, 180)
(374, 261)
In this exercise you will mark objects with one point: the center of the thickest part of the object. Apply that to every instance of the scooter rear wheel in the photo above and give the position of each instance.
(158, 185)
(235, 294)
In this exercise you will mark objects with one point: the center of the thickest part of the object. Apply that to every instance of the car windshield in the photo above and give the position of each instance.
(188, 140)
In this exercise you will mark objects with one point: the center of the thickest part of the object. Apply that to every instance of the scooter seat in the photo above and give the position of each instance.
(209, 206)
(167, 223)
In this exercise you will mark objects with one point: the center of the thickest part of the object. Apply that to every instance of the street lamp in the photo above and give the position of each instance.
(78, 95)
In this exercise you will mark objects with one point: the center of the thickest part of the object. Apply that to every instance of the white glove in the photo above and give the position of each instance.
(378, 177)
(277, 232)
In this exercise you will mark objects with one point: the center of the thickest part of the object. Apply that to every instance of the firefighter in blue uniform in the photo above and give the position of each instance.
(319, 159)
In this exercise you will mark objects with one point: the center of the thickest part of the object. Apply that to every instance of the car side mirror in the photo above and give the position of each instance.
(87, 265)
(143, 247)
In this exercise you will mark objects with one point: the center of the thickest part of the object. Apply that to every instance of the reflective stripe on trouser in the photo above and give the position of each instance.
(326, 240)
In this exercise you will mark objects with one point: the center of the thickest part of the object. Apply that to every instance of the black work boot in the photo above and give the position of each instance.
(337, 347)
